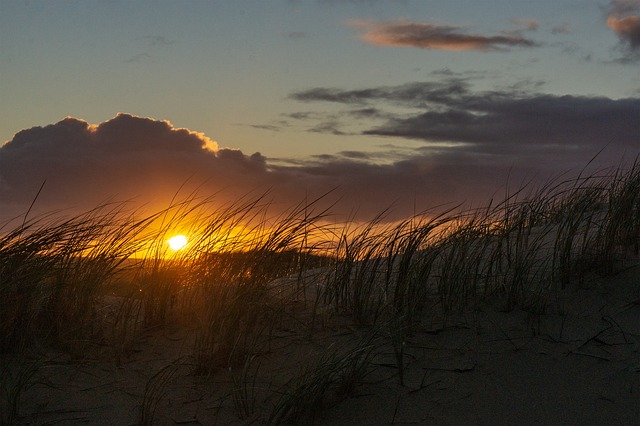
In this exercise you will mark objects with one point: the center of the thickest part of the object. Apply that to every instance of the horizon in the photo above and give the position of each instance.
(458, 104)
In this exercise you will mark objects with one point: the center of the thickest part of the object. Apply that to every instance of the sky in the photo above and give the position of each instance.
(400, 104)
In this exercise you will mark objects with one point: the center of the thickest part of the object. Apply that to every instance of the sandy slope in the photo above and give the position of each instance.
(489, 367)
(578, 363)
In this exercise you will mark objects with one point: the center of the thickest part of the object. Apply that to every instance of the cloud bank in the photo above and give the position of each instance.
(473, 144)
(126, 157)
(438, 37)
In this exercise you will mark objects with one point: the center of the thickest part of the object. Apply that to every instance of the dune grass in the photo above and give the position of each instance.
(96, 282)
(17, 374)
(331, 377)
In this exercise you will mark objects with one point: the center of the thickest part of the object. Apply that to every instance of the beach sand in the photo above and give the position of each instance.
(576, 363)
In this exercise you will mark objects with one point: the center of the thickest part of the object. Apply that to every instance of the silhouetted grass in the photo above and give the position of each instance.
(103, 278)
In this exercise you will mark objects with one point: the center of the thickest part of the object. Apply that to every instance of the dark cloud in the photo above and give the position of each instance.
(148, 160)
(125, 157)
(357, 155)
(366, 113)
(412, 94)
(334, 123)
(623, 7)
(524, 123)
(472, 137)
(416, 183)
(302, 115)
(439, 37)
(269, 127)
(331, 127)
(449, 111)
(624, 19)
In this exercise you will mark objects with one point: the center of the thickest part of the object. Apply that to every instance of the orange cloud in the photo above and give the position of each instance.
(627, 28)
(434, 36)
(624, 20)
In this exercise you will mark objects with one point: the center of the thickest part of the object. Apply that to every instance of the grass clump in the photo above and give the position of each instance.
(52, 273)
(333, 377)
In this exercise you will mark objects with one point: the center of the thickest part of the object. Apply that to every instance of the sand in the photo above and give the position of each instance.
(576, 363)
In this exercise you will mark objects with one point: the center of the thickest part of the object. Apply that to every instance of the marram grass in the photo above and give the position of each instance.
(93, 284)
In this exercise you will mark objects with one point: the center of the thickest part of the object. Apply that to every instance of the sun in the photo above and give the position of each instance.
(178, 242)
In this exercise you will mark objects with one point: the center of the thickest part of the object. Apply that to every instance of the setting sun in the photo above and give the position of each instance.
(178, 242)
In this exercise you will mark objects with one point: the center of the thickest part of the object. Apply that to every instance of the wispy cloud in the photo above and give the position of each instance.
(269, 127)
(331, 127)
(435, 36)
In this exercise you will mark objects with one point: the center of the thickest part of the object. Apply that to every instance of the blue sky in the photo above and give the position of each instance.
(251, 74)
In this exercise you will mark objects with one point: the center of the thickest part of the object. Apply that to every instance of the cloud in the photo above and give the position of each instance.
(472, 141)
(122, 158)
(624, 19)
(269, 127)
(623, 7)
(147, 160)
(328, 127)
(413, 94)
(627, 28)
(537, 121)
(511, 118)
(435, 36)
(514, 126)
